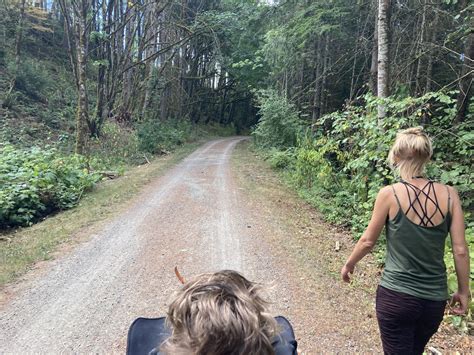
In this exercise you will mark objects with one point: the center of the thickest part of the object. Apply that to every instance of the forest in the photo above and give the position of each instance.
(89, 87)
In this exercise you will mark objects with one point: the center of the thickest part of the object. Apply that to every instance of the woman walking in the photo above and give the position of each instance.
(418, 215)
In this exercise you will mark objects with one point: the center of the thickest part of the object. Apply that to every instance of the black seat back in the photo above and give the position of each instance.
(147, 334)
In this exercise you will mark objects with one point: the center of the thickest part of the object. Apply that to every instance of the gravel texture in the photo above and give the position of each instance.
(84, 301)
(192, 217)
(202, 216)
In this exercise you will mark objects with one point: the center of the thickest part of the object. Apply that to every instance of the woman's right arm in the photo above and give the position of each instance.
(461, 255)
(371, 234)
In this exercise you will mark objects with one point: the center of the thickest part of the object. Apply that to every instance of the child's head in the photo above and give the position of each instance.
(410, 152)
(219, 313)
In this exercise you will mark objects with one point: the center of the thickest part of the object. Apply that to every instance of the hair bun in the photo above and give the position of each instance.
(417, 131)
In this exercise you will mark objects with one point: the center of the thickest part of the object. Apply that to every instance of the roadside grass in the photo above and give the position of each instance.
(308, 234)
(23, 247)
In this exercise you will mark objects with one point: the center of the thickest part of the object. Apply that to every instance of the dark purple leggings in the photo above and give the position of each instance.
(406, 322)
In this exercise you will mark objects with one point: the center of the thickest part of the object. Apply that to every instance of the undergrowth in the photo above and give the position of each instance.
(339, 164)
(38, 181)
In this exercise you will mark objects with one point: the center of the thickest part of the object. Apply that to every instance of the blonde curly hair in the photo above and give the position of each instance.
(410, 152)
(220, 313)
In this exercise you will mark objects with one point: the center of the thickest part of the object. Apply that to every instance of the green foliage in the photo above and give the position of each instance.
(116, 147)
(32, 79)
(36, 182)
(158, 137)
(281, 159)
(279, 51)
(311, 163)
(212, 129)
(349, 159)
(460, 322)
(240, 32)
(279, 124)
(341, 164)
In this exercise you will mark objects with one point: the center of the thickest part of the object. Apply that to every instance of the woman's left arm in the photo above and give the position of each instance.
(371, 234)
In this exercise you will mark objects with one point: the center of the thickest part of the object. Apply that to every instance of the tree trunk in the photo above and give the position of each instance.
(383, 55)
(317, 83)
(431, 54)
(354, 63)
(101, 111)
(18, 40)
(149, 48)
(374, 63)
(128, 38)
(325, 75)
(83, 104)
(466, 88)
(421, 47)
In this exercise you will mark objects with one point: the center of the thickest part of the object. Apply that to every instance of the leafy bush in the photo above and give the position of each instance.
(37, 182)
(349, 159)
(281, 159)
(340, 166)
(117, 147)
(158, 137)
(279, 124)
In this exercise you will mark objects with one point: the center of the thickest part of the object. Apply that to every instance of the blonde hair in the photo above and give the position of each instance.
(220, 313)
(410, 152)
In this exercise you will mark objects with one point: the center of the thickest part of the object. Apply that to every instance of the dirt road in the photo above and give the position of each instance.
(195, 217)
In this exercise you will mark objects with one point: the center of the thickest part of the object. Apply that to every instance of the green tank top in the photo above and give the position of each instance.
(415, 254)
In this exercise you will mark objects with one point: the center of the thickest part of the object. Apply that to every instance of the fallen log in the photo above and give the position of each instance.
(109, 174)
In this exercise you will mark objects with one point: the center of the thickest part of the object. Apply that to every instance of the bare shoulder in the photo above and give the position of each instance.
(453, 192)
(390, 189)
(385, 192)
(385, 200)
(395, 185)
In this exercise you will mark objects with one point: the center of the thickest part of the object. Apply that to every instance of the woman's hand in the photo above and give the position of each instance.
(459, 303)
(345, 271)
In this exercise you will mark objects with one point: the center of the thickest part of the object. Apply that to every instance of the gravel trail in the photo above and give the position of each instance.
(87, 299)
(194, 217)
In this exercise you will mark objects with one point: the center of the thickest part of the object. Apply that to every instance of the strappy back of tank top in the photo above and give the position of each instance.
(414, 261)
(419, 207)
